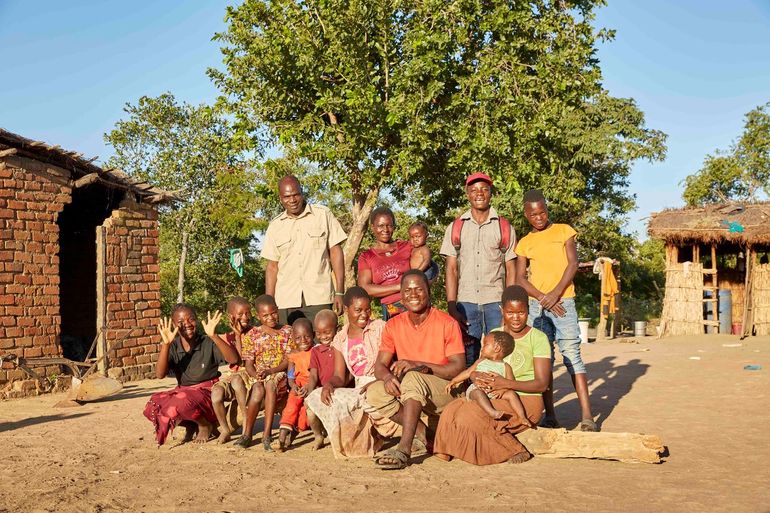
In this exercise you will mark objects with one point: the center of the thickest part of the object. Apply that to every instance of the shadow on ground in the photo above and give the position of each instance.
(615, 382)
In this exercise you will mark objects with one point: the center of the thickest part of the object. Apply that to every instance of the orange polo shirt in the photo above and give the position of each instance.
(433, 341)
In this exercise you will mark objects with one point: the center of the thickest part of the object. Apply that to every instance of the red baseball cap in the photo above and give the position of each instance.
(478, 177)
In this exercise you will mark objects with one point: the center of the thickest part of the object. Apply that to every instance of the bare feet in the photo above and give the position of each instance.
(224, 435)
(204, 432)
(318, 443)
(443, 457)
(267, 443)
(190, 430)
(521, 457)
(496, 414)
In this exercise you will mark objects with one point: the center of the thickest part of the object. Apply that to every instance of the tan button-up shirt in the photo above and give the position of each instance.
(480, 263)
(301, 245)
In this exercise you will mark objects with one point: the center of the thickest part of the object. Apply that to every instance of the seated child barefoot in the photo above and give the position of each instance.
(235, 384)
(421, 257)
(321, 366)
(497, 345)
(294, 416)
(264, 349)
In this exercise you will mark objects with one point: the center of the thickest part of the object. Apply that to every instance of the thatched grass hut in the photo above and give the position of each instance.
(711, 250)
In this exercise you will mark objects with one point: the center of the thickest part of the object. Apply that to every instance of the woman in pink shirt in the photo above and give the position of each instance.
(381, 266)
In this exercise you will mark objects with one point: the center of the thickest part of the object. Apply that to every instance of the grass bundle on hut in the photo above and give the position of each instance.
(761, 295)
(683, 305)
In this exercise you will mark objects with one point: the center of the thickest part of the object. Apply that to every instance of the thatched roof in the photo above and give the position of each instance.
(82, 171)
(712, 224)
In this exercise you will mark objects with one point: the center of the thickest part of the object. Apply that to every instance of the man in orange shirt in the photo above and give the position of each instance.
(430, 352)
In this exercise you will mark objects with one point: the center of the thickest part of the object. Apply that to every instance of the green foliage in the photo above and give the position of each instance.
(411, 96)
(741, 173)
(642, 278)
(195, 152)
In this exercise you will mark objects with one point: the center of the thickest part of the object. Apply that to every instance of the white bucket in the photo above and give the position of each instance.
(583, 325)
(640, 328)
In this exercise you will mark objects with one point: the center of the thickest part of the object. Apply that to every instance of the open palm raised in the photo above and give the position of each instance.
(167, 335)
(210, 326)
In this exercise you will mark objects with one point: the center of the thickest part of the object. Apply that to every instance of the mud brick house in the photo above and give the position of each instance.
(78, 261)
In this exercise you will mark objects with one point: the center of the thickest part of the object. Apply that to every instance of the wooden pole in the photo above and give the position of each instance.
(714, 284)
(748, 300)
(601, 329)
(101, 300)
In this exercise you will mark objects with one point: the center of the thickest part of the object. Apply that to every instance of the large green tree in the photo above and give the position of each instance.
(194, 151)
(412, 95)
(740, 173)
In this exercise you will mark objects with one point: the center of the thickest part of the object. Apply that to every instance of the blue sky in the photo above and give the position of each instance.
(694, 67)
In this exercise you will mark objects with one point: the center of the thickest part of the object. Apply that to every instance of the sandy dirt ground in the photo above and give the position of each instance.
(713, 416)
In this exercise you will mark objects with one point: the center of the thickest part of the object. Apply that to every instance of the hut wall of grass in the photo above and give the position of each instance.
(761, 297)
(683, 302)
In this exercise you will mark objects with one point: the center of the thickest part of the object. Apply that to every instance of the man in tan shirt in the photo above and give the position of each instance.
(302, 249)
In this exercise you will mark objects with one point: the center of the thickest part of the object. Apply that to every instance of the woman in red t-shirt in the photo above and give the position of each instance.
(381, 266)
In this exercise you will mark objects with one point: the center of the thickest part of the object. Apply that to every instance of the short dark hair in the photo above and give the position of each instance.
(534, 196)
(326, 314)
(184, 306)
(414, 272)
(507, 343)
(419, 224)
(382, 211)
(303, 321)
(264, 299)
(354, 293)
(236, 302)
(515, 293)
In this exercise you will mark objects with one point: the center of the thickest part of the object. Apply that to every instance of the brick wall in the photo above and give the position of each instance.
(29, 266)
(32, 195)
(133, 290)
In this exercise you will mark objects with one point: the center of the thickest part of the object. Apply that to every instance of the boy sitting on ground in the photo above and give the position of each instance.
(496, 346)
(234, 385)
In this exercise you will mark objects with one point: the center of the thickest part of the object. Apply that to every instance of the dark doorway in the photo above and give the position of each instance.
(89, 208)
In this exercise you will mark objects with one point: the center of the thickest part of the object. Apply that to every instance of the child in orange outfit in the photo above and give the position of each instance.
(294, 416)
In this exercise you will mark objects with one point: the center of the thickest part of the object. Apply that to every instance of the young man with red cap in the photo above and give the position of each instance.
(478, 247)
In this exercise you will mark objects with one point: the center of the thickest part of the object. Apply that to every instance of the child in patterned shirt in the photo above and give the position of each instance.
(265, 348)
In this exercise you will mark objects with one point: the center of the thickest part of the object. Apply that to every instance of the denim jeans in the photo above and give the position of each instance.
(563, 330)
(481, 320)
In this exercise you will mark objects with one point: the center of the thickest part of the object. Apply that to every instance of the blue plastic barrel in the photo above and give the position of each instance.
(725, 311)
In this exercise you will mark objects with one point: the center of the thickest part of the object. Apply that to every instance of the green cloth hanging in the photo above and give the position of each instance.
(236, 261)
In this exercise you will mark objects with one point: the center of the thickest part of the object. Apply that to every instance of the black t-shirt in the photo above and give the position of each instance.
(199, 365)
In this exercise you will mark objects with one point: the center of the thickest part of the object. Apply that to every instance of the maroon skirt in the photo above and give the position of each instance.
(167, 409)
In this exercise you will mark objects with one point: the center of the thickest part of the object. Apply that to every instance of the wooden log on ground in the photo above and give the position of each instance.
(560, 443)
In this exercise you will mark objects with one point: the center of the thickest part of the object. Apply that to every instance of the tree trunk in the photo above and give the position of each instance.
(363, 204)
(182, 260)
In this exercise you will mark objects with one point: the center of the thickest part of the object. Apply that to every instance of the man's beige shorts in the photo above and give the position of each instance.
(427, 389)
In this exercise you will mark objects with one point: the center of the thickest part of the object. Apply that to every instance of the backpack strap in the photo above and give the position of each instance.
(457, 228)
(503, 224)
(505, 233)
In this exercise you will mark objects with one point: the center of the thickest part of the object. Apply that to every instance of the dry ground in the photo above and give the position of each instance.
(713, 415)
